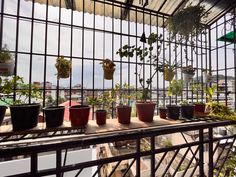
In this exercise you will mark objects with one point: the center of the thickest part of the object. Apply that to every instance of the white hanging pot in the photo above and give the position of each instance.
(187, 77)
(7, 69)
(206, 77)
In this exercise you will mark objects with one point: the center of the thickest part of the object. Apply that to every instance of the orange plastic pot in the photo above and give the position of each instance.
(145, 111)
(79, 115)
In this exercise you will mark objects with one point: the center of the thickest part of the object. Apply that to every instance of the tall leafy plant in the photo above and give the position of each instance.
(145, 54)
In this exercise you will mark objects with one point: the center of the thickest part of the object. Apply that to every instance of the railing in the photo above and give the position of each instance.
(162, 148)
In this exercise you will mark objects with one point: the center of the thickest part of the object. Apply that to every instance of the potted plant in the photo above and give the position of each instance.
(123, 97)
(187, 22)
(79, 115)
(169, 69)
(199, 106)
(162, 111)
(63, 67)
(188, 73)
(7, 64)
(103, 104)
(145, 109)
(54, 116)
(175, 88)
(23, 116)
(108, 68)
(210, 90)
(187, 110)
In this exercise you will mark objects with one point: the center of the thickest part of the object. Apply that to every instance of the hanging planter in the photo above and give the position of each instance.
(169, 74)
(187, 22)
(188, 73)
(206, 77)
(108, 68)
(63, 67)
(7, 64)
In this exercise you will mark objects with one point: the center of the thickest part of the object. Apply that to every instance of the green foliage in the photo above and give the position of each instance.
(168, 143)
(123, 94)
(168, 65)
(23, 91)
(187, 22)
(228, 168)
(63, 67)
(175, 87)
(145, 54)
(5, 54)
(52, 102)
(209, 92)
(220, 109)
(184, 103)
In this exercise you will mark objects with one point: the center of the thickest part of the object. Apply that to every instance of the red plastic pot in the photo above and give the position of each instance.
(199, 108)
(162, 113)
(123, 114)
(101, 116)
(145, 111)
(79, 115)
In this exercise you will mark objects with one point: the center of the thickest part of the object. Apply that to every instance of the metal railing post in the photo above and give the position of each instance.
(210, 153)
(138, 158)
(201, 153)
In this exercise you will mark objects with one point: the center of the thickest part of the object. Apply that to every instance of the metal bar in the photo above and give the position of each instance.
(186, 141)
(138, 169)
(33, 164)
(201, 152)
(127, 170)
(181, 161)
(1, 23)
(98, 169)
(78, 173)
(114, 168)
(161, 160)
(172, 159)
(82, 69)
(210, 153)
(153, 156)
(58, 163)
(225, 56)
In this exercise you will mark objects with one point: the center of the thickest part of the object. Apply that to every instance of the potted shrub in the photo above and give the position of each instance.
(108, 68)
(187, 110)
(7, 64)
(187, 22)
(169, 69)
(145, 109)
(103, 104)
(23, 116)
(199, 106)
(188, 73)
(63, 67)
(175, 88)
(123, 97)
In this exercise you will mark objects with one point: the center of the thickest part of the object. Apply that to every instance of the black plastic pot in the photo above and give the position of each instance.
(24, 116)
(173, 112)
(187, 111)
(2, 113)
(54, 116)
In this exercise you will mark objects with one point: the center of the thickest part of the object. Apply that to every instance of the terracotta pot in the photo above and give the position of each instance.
(187, 111)
(199, 108)
(123, 114)
(54, 116)
(169, 75)
(145, 111)
(79, 115)
(2, 113)
(162, 113)
(173, 112)
(108, 73)
(24, 116)
(101, 116)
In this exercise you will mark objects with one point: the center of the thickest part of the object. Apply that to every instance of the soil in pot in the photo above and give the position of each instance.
(162, 113)
(79, 115)
(173, 112)
(101, 116)
(199, 108)
(145, 111)
(2, 113)
(187, 111)
(123, 114)
(54, 116)
(24, 116)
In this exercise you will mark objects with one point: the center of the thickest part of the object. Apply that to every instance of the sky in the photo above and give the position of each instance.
(24, 45)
